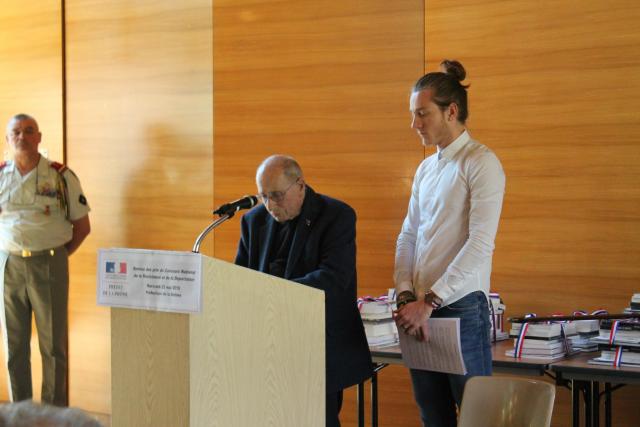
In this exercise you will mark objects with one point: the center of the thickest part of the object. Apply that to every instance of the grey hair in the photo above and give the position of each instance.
(21, 116)
(30, 414)
(288, 164)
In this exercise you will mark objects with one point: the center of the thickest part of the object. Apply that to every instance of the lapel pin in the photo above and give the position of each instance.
(308, 222)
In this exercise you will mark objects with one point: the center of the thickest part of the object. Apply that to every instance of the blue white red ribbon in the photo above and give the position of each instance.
(517, 353)
(565, 339)
(612, 333)
(600, 311)
(593, 313)
(368, 298)
(617, 360)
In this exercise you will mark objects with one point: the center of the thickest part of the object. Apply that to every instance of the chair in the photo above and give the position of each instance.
(506, 402)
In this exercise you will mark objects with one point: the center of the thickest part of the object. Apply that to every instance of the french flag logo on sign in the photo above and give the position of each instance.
(111, 267)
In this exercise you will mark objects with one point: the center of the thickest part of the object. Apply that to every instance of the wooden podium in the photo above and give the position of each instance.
(255, 356)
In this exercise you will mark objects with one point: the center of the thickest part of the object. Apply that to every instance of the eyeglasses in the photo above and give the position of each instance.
(276, 196)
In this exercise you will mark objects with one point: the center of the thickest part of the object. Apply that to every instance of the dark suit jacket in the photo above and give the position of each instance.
(323, 256)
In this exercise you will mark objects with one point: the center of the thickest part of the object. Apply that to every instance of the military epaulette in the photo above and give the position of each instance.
(58, 167)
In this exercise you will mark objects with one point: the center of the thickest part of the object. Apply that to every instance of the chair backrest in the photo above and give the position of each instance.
(506, 402)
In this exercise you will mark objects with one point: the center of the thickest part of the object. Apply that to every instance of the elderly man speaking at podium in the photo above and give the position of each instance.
(309, 238)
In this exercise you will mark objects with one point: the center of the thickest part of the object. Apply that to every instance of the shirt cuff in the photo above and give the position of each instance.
(443, 290)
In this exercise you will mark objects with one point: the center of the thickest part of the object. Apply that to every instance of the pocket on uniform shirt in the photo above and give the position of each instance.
(48, 204)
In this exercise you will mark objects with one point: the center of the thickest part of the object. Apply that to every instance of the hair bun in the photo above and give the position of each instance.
(454, 69)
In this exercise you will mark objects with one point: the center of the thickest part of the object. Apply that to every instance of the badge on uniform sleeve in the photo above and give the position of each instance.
(82, 199)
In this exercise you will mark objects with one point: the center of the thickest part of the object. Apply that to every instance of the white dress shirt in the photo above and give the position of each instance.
(447, 238)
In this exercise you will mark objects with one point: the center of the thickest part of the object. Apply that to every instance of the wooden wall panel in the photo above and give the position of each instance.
(31, 83)
(555, 91)
(328, 83)
(31, 74)
(140, 137)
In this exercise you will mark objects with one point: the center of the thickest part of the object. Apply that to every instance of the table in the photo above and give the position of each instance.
(586, 378)
(392, 355)
(575, 373)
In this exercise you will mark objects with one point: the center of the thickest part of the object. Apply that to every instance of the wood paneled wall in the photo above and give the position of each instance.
(31, 83)
(140, 132)
(31, 61)
(328, 83)
(555, 92)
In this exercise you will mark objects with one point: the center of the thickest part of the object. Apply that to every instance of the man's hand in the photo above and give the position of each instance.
(81, 229)
(412, 317)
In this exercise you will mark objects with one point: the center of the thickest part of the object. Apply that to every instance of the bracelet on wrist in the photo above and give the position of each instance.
(405, 297)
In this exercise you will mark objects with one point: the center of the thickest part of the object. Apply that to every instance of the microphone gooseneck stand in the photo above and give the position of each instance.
(214, 224)
(225, 212)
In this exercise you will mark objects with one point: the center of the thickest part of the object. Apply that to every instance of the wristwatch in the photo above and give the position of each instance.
(434, 300)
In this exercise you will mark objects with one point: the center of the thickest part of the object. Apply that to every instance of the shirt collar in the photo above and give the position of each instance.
(43, 165)
(450, 150)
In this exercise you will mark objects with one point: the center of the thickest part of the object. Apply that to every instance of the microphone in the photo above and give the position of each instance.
(247, 202)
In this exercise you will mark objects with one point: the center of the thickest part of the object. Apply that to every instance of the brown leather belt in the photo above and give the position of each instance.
(25, 253)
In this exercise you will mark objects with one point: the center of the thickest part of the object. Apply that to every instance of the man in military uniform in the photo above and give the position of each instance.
(43, 219)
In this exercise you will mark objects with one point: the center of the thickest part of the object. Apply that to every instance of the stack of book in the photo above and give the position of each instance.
(618, 343)
(586, 331)
(544, 341)
(379, 325)
(496, 311)
(626, 332)
(628, 355)
(634, 305)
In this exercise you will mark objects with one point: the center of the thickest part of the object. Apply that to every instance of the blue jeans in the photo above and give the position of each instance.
(436, 393)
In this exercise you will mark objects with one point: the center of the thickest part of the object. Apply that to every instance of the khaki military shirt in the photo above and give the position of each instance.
(36, 209)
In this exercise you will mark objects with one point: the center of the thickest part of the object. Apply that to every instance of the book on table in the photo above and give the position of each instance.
(378, 309)
(554, 356)
(376, 329)
(629, 325)
(587, 326)
(377, 318)
(540, 344)
(630, 355)
(543, 330)
(382, 340)
(627, 332)
(634, 305)
(496, 314)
